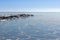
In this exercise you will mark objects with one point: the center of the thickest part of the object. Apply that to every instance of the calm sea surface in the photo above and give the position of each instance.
(42, 26)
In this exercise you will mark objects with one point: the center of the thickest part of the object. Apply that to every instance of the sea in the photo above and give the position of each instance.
(41, 26)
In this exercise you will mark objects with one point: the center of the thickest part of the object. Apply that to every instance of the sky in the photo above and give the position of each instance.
(30, 5)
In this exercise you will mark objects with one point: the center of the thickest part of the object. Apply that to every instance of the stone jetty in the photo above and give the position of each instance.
(15, 16)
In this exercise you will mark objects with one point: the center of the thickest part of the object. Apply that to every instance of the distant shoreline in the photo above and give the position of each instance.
(18, 12)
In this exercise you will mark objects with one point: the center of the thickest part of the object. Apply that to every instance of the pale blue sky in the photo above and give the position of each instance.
(18, 4)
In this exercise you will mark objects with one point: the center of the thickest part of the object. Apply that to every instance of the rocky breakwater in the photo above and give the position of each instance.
(15, 16)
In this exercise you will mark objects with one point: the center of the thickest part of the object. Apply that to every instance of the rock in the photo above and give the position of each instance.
(15, 16)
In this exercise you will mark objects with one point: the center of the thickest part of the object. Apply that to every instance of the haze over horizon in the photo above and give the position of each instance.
(31, 10)
(29, 5)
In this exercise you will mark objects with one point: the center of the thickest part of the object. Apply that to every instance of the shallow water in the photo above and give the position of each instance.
(42, 26)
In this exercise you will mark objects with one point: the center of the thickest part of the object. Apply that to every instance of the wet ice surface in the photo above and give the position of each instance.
(39, 27)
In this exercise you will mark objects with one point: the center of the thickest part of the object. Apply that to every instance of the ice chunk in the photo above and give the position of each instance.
(8, 39)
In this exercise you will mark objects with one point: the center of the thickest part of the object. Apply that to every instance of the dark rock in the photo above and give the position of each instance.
(15, 16)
